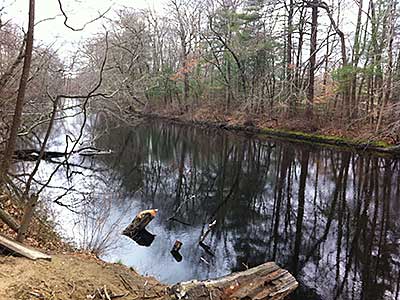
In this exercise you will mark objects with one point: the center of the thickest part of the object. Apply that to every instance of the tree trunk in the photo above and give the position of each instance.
(387, 85)
(313, 50)
(289, 49)
(355, 60)
(9, 151)
(228, 91)
(346, 89)
(26, 219)
(185, 83)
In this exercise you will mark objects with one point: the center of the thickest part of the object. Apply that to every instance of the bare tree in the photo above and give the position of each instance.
(9, 151)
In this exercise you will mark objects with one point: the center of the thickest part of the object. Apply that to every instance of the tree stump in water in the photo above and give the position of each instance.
(264, 282)
(139, 223)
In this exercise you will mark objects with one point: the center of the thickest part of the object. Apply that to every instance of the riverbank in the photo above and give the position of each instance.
(73, 276)
(70, 274)
(312, 131)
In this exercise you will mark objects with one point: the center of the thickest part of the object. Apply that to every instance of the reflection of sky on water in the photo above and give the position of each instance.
(318, 212)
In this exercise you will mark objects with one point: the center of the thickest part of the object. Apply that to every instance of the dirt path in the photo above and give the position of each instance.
(73, 277)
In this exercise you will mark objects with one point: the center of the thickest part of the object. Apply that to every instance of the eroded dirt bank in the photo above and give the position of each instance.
(73, 276)
(70, 274)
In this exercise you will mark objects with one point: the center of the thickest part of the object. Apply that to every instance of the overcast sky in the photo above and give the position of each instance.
(79, 12)
(53, 32)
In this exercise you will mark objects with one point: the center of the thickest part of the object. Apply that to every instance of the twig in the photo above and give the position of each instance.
(119, 295)
(126, 283)
(106, 293)
(37, 295)
(4, 275)
(210, 226)
(98, 292)
(204, 260)
(73, 288)
(179, 221)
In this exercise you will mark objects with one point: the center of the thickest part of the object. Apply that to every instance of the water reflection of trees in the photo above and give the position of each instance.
(330, 217)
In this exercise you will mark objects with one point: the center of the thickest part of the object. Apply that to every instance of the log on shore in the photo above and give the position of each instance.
(21, 249)
(264, 282)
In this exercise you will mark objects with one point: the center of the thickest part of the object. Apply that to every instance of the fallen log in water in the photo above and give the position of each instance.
(143, 238)
(139, 223)
(175, 251)
(264, 282)
(33, 154)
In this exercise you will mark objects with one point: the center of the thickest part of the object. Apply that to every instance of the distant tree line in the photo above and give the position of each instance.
(337, 60)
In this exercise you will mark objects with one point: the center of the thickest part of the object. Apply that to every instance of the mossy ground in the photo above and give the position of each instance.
(320, 138)
(294, 128)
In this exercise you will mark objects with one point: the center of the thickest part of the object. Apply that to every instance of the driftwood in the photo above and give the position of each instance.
(264, 282)
(33, 154)
(139, 223)
(21, 249)
(177, 246)
(95, 152)
(175, 251)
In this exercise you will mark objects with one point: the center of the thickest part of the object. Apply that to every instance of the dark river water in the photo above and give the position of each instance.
(332, 218)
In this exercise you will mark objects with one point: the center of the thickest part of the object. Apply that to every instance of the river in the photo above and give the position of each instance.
(331, 217)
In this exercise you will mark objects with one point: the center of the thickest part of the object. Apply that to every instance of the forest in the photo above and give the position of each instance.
(304, 65)
(94, 129)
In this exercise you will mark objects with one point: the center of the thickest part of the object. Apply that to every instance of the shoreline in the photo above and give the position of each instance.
(377, 147)
(62, 271)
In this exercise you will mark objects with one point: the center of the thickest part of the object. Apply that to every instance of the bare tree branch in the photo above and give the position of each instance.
(101, 15)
